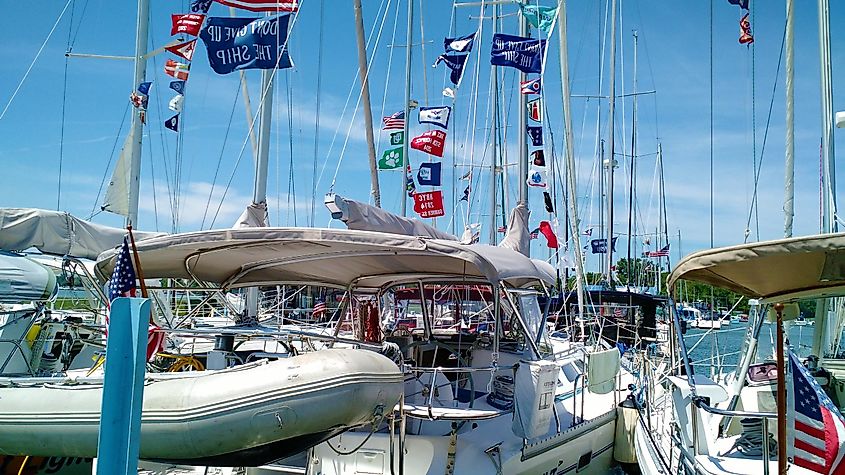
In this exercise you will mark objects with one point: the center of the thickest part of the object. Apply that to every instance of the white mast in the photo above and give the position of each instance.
(789, 188)
(137, 132)
(494, 133)
(611, 161)
(405, 150)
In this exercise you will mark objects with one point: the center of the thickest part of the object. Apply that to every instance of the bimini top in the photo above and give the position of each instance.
(267, 256)
(772, 270)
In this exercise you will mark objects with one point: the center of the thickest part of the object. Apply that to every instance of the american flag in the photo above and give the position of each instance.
(319, 308)
(262, 5)
(394, 122)
(663, 252)
(816, 428)
(122, 282)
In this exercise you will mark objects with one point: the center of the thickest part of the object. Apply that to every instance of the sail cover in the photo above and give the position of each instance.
(518, 238)
(363, 217)
(57, 232)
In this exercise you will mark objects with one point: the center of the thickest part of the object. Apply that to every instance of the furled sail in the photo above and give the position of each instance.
(363, 217)
(518, 237)
(117, 194)
(254, 216)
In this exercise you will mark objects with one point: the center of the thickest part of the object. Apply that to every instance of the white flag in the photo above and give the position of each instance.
(176, 103)
(438, 116)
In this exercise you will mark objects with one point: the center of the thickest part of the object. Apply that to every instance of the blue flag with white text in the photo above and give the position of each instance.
(455, 62)
(524, 54)
(246, 43)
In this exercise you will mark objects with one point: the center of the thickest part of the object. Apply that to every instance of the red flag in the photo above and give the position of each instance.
(429, 204)
(546, 229)
(177, 70)
(745, 37)
(184, 50)
(262, 5)
(431, 142)
(189, 24)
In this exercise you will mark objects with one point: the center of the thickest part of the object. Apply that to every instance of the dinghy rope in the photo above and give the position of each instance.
(379, 414)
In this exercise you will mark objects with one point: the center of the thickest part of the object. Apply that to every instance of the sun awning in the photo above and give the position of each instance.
(772, 270)
(267, 256)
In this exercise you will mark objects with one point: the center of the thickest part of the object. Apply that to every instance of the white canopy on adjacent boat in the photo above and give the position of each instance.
(771, 270)
(57, 232)
(267, 256)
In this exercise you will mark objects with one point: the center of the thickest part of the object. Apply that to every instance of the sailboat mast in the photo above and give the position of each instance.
(265, 117)
(611, 161)
(829, 200)
(137, 132)
(789, 182)
(523, 139)
(572, 194)
(633, 178)
(363, 72)
(407, 109)
(494, 133)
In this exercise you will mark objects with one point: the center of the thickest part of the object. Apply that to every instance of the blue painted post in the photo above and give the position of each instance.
(123, 387)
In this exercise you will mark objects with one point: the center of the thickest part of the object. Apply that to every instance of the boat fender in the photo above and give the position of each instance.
(626, 423)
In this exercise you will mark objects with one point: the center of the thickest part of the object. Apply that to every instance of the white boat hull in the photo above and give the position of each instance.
(244, 416)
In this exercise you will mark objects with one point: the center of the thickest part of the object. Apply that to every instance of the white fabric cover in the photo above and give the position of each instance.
(364, 217)
(533, 397)
(254, 216)
(518, 237)
(602, 368)
(57, 232)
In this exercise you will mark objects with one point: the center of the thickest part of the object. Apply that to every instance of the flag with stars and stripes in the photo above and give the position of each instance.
(122, 282)
(816, 428)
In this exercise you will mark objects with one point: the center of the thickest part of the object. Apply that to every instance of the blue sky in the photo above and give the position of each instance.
(673, 59)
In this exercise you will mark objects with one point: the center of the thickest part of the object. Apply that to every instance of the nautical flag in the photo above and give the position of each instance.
(429, 204)
(410, 186)
(535, 233)
(319, 308)
(600, 246)
(524, 54)
(663, 252)
(391, 159)
(178, 86)
(144, 88)
(588, 232)
(262, 5)
(201, 6)
(455, 62)
(538, 158)
(394, 121)
(535, 133)
(549, 233)
(176, 103)
(184, 50)
(138, 101)
(462, 44)
(260, 43)
(177, 70)
(122, 282)
(537, 177)
(172, 123)
(542, 18)
(535, 110)
(467, 175)
(431, 142)
(816, 430)
(189, 24)
(530, 87)
(745, 37)
(449, 92)
(438, 116)
(429, 174)
(740, 3)
(466, 194)
(547, 200)
(397, 138)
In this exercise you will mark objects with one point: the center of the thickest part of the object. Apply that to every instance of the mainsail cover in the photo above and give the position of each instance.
(363, 217)
(518, 238)
(254, 216)
(117, 193)
(57, 232)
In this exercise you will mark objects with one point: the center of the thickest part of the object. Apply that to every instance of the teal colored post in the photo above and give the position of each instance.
(123, 388)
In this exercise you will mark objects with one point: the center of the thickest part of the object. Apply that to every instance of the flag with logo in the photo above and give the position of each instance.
(397, 138)
(176, 103)
(462, 44)
(816, 428)
(183, 50)
(189, 24)
(262, 5)
(535, 133)
(524, 54)
(172, 123)
(537, 177)
(144, 88)
(260, 43)
(410, 186)
(391, 159)
(438, 116)
(535, 110)
(542, 18)
(599, 246)
(538, 158)
(178, 86)
(745, 37)
(394, 121)
(177, 70)
(431, 142)
(449, 92)
(429, 174)
(530, 87)
(201, 6)
(456, 63)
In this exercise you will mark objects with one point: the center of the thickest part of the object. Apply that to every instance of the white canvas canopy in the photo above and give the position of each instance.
(268, 256)
(772, 270)
(57, 232)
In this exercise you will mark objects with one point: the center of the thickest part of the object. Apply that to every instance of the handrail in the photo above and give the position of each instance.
(699, 402)
(682, 347)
